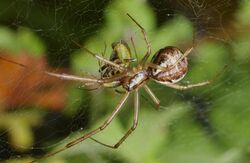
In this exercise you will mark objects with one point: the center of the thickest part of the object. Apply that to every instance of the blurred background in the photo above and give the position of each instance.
(39, 114)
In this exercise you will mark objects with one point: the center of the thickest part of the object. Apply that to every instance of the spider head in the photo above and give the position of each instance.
(174, 68)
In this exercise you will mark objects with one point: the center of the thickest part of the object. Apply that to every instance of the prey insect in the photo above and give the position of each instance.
(168, 66)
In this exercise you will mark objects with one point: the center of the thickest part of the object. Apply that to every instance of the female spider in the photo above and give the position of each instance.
(168, 66)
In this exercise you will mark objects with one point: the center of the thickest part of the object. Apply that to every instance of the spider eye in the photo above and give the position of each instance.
(169, 58)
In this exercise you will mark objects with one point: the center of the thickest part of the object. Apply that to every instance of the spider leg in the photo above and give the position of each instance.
(152, 95)
(144, 59)
(61, 76)
(185, 87)
(89, 80)
(103, 55)
(100, 57)
(135, 122)
(90, 86)
(86, 80)
(93, 132)
(119, 91)
(73, 77)
(133, 44)
(186, 53)
(189, 86)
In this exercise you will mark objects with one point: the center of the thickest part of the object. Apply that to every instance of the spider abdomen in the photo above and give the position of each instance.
(168, 57)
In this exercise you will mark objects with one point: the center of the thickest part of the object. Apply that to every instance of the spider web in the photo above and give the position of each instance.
(39, 114)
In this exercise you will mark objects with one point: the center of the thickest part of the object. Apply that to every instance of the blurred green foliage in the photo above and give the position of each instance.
(207, 124)
(19, 41)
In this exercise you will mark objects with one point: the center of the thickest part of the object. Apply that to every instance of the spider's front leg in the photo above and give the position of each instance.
(135, 122)
(73, 77)
(58, 75)
(144, 59)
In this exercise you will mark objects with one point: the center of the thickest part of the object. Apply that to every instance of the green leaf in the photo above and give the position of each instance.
(28, 41)
(7, 40)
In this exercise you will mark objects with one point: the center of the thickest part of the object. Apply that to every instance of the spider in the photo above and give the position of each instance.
(168, 66)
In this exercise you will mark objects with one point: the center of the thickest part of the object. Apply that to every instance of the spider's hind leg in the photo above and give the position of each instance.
(93, 132)
(135, 122)
(188, 86)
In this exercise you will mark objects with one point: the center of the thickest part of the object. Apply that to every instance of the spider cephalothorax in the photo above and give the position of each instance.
(135, 79)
